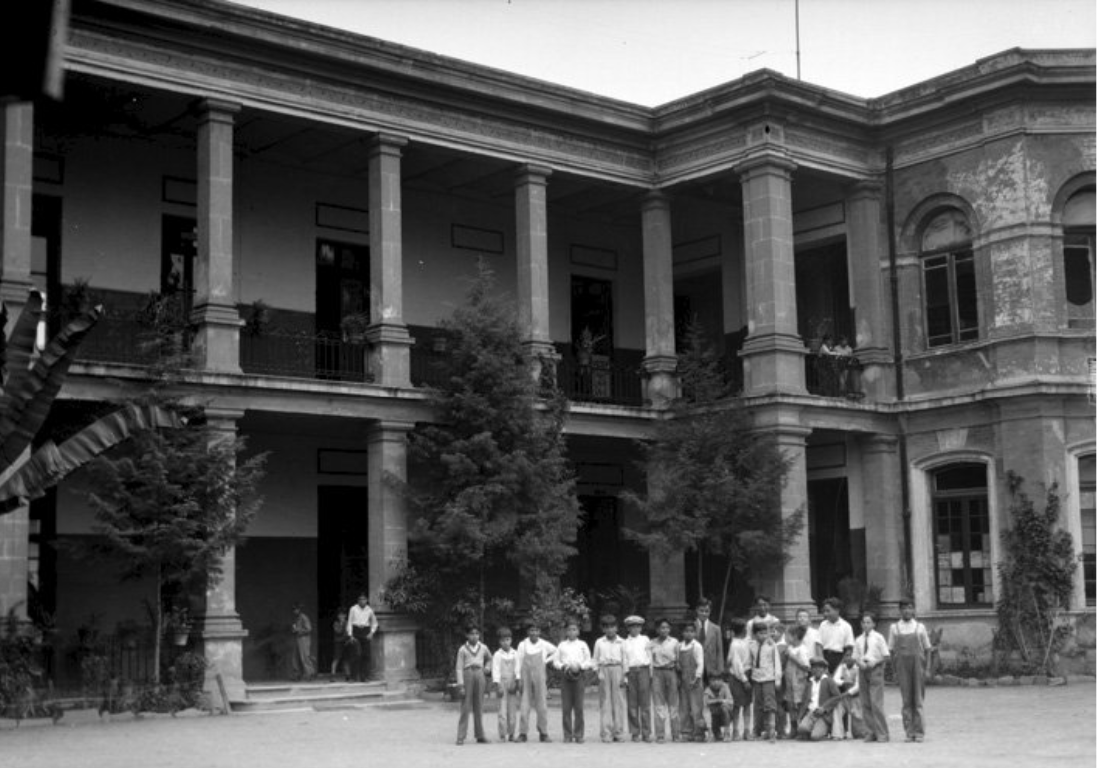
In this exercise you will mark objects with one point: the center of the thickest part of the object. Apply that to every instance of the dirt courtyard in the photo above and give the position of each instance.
(969, 727)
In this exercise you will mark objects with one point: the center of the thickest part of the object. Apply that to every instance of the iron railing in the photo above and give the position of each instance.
(600, 382)
(833, 376)
(307, 356)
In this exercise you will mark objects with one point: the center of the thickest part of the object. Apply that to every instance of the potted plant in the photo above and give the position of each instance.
(354, 327)
(257, 318)
(178, 624)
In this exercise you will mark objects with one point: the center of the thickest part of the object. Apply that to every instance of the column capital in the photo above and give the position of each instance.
(767, 162)
(216, 110)
(222, 418)
(879, 443)
(387, 429)
(655, 200)
(871, 189)
(531, 173)
(387, 144)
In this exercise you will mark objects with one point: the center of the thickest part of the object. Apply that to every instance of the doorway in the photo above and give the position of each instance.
(829, 536)
(342, 552)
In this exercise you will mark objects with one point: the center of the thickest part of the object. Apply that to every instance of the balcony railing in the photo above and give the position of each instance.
(600, 382)
(306, 356)
(833, 376)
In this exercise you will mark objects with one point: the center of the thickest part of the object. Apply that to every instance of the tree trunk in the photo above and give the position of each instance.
(724, 594)
(482, 609)
(700, 571)
(159, 629)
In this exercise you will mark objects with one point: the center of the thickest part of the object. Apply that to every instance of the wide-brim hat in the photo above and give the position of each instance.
(639, 620)
(819, 661)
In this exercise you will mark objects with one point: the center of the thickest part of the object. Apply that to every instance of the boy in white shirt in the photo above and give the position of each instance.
(664, 681)
(638, 664)
(835, 634)
(848, 720)
(870, 652)
(504, 678)
(573, 659)
(533, 654)
(610, 661)
(691, 669)
(910, 645)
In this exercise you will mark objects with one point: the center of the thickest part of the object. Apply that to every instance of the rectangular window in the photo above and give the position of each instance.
(951, 298)
(961, 525)
(1078, 272)
(1087, 502)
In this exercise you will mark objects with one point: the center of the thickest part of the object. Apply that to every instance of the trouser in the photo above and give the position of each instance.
(833, 659)
(910, 674)
(340, 659)
(474, 703)
(534, 694)
(664, 695)
(361, 653)
(612, 712)
(872, 703)
(571, 706)
(639, 702)
(692, 706)
(302, 657)
(814, 727)
(721, 719)
(848, 708)
(765, 705)
(508, 708)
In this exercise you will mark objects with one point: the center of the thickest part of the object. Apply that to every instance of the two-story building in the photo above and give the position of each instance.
(278, 176)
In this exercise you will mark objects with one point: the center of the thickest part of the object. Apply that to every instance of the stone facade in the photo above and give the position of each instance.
(321, 173)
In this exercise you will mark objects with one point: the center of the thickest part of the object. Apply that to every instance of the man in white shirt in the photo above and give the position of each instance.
(573, 659)
(361, 626)
(835, 634)
(870, 652)
(609, 659)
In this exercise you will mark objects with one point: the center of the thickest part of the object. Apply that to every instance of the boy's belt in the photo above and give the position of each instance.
(610, 664)
(668, 666)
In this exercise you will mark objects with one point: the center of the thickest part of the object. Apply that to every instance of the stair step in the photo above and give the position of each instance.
(269, 697)
(283, 690)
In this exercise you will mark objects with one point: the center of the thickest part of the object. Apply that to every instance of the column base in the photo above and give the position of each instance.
(661, 386)
(222, 640)
(393, 648)
(217, 340)
(390, 354)
(542, 357)
(772, 364)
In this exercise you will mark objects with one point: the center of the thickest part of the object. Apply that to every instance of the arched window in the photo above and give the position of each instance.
(949, 295)
(1079, 216)
(1087, 491)
(961, 535)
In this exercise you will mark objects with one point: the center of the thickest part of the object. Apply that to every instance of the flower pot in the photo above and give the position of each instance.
(181, 636)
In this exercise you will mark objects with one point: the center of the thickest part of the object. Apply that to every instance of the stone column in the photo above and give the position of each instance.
(217, 342)
(14, 551)
(865, 247)
(222, 632)
(773, 354)
(17, 177)
(387, 334)
(883, 512)
(666, 572)
(660, 361)
(789, 587)
(531, 215)
(394, 647)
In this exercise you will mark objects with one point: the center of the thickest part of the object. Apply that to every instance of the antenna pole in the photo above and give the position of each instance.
(797, 39)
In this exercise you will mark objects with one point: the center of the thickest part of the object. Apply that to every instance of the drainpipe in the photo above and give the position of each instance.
(897, 346)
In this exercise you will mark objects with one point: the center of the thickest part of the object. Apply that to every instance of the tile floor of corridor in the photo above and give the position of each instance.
(970, 727)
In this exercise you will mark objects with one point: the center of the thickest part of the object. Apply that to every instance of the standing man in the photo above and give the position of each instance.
(835, 634)
(711, 639)
(909, 645)
(361, 626)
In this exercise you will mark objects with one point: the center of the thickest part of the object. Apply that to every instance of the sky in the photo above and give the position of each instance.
(650, 52)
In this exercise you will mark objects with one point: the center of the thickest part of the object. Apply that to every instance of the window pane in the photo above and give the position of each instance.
(1079, 277)
(967, 303)
(961, 476)
(946, 228)
(938, 311)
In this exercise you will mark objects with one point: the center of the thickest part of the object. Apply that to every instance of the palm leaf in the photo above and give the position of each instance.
(30, 396)
(20, 346)
(51, 463)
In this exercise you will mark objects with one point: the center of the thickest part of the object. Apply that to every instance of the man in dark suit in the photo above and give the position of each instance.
(821, 696)
(711, 639)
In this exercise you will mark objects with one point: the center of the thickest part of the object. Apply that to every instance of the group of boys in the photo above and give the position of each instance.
(795, 683)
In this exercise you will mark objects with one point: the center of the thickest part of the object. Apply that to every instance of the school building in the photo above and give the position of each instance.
(278, 176)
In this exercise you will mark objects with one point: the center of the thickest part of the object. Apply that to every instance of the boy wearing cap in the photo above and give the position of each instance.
(504, 677)
(573, 659)
(909, 645)
(638, 664)
(472, 657)
(529, 667)
(609, 659)
(820, 697)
